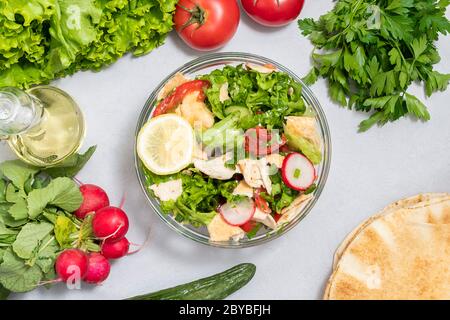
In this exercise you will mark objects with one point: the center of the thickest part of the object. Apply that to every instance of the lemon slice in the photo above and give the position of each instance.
(165, 144)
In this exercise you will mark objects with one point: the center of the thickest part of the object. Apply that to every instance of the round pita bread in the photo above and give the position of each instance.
(401, 253)
(410, 202)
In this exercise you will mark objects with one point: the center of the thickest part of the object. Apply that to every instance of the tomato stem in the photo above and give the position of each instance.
(198, 16)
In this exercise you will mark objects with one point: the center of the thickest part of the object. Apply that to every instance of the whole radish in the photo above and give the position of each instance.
(71, 262)
(98, 269)
(117, 249)
(110, 223)
(94, 198)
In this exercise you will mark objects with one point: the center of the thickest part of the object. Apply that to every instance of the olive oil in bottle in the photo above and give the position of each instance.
(43, 125)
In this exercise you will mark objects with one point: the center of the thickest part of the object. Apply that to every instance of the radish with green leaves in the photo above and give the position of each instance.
(94, 198)
(51, 228)
(98, 269)
(71, 263)
(298, 172)
(110, 223)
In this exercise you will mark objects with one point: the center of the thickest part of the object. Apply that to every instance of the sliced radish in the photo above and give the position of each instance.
(298, 172)
(238, 213)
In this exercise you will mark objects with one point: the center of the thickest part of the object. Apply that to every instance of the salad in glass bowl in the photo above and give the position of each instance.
(230, 150)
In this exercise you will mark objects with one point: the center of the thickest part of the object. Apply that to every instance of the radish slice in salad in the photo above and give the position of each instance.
(238, 213)
(298, 172)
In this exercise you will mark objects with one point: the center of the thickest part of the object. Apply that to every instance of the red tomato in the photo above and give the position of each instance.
(277, 217)
(177, 96)
(284, 147)
(260, 202)
(273, 13)
(260, 141)
(206, 24)
(248, 226)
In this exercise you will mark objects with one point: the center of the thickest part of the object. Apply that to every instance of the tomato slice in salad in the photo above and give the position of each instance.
(261, 142)
(260, 202)
(177, 96)
(248, 226)
(277, 217)
(283, 141)
(285, 148)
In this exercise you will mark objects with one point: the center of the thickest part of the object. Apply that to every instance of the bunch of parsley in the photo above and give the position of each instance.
(372, 50)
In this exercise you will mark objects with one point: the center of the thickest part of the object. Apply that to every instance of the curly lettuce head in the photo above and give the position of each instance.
(41, 40)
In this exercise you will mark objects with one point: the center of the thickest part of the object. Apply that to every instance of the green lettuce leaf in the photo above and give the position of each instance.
(41, 40)
(269, 97)
(311, 151)
(29, 11)
(282, 196)
(198, 203)
(72, 28)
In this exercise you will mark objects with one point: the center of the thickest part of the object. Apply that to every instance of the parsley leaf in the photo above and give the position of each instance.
(371, 51)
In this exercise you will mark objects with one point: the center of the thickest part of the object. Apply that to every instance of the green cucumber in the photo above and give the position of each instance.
(216, 287)
(242, 111)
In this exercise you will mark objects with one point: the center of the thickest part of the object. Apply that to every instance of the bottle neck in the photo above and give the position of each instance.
(19, 111)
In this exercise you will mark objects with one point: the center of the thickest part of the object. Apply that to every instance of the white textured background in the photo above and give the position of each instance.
(368, 171)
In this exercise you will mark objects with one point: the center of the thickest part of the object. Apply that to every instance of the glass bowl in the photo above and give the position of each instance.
(206, 64)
